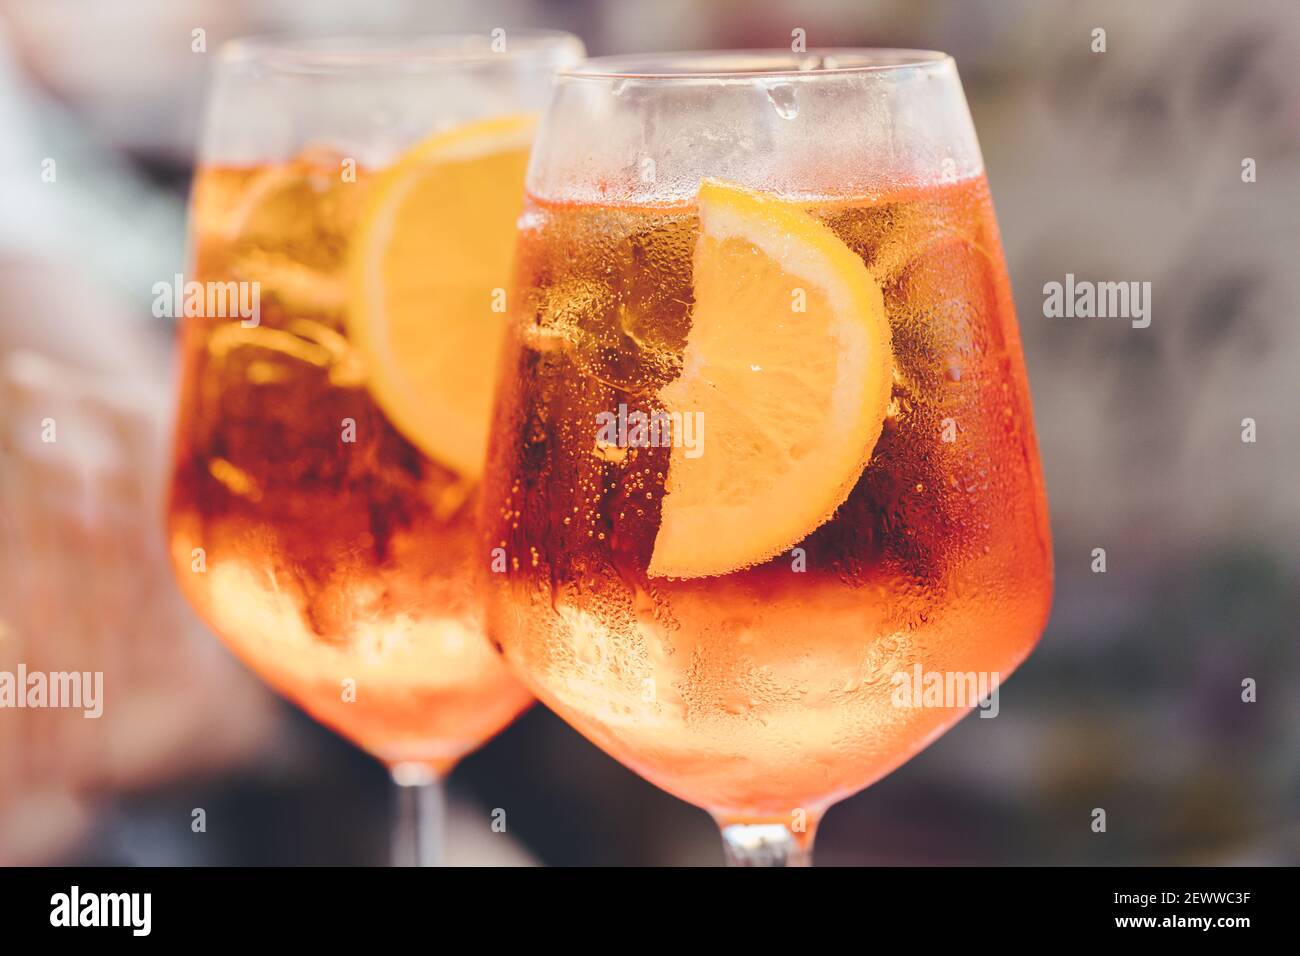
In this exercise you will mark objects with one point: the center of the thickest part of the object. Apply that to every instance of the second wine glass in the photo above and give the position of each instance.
(352, 223)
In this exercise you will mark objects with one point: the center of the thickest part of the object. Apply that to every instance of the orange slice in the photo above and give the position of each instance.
(788, 364)
(427, 276)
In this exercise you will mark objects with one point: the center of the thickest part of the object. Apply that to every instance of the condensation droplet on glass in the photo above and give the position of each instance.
(783, 99)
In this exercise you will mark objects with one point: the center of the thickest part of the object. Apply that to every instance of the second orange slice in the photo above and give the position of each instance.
(428, 271)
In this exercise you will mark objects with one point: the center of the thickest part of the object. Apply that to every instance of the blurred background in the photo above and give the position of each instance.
(1122, 165)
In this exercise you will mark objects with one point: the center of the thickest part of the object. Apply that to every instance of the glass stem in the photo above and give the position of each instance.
(767, 844)
(419, 815)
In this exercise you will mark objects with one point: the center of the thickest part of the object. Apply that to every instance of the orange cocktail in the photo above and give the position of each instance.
(356, 198)
(335, 555)
(763, 453)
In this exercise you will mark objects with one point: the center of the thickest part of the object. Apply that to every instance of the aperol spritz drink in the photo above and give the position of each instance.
(319, 542)
(362, 195)
(762, 448)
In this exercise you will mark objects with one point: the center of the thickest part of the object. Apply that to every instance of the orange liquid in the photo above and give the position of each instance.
(767, 690)
(339, 570)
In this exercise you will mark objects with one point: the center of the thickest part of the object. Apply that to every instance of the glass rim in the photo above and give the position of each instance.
(330, 53)
(755, 64)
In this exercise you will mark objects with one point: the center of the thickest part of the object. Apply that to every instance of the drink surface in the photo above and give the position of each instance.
(773, 687)
(335, 557)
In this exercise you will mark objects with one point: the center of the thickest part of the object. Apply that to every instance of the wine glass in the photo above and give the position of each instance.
(763, 490)
(352, 219)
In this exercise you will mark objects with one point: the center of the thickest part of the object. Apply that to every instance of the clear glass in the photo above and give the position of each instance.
(762, 685)
(339, 566)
